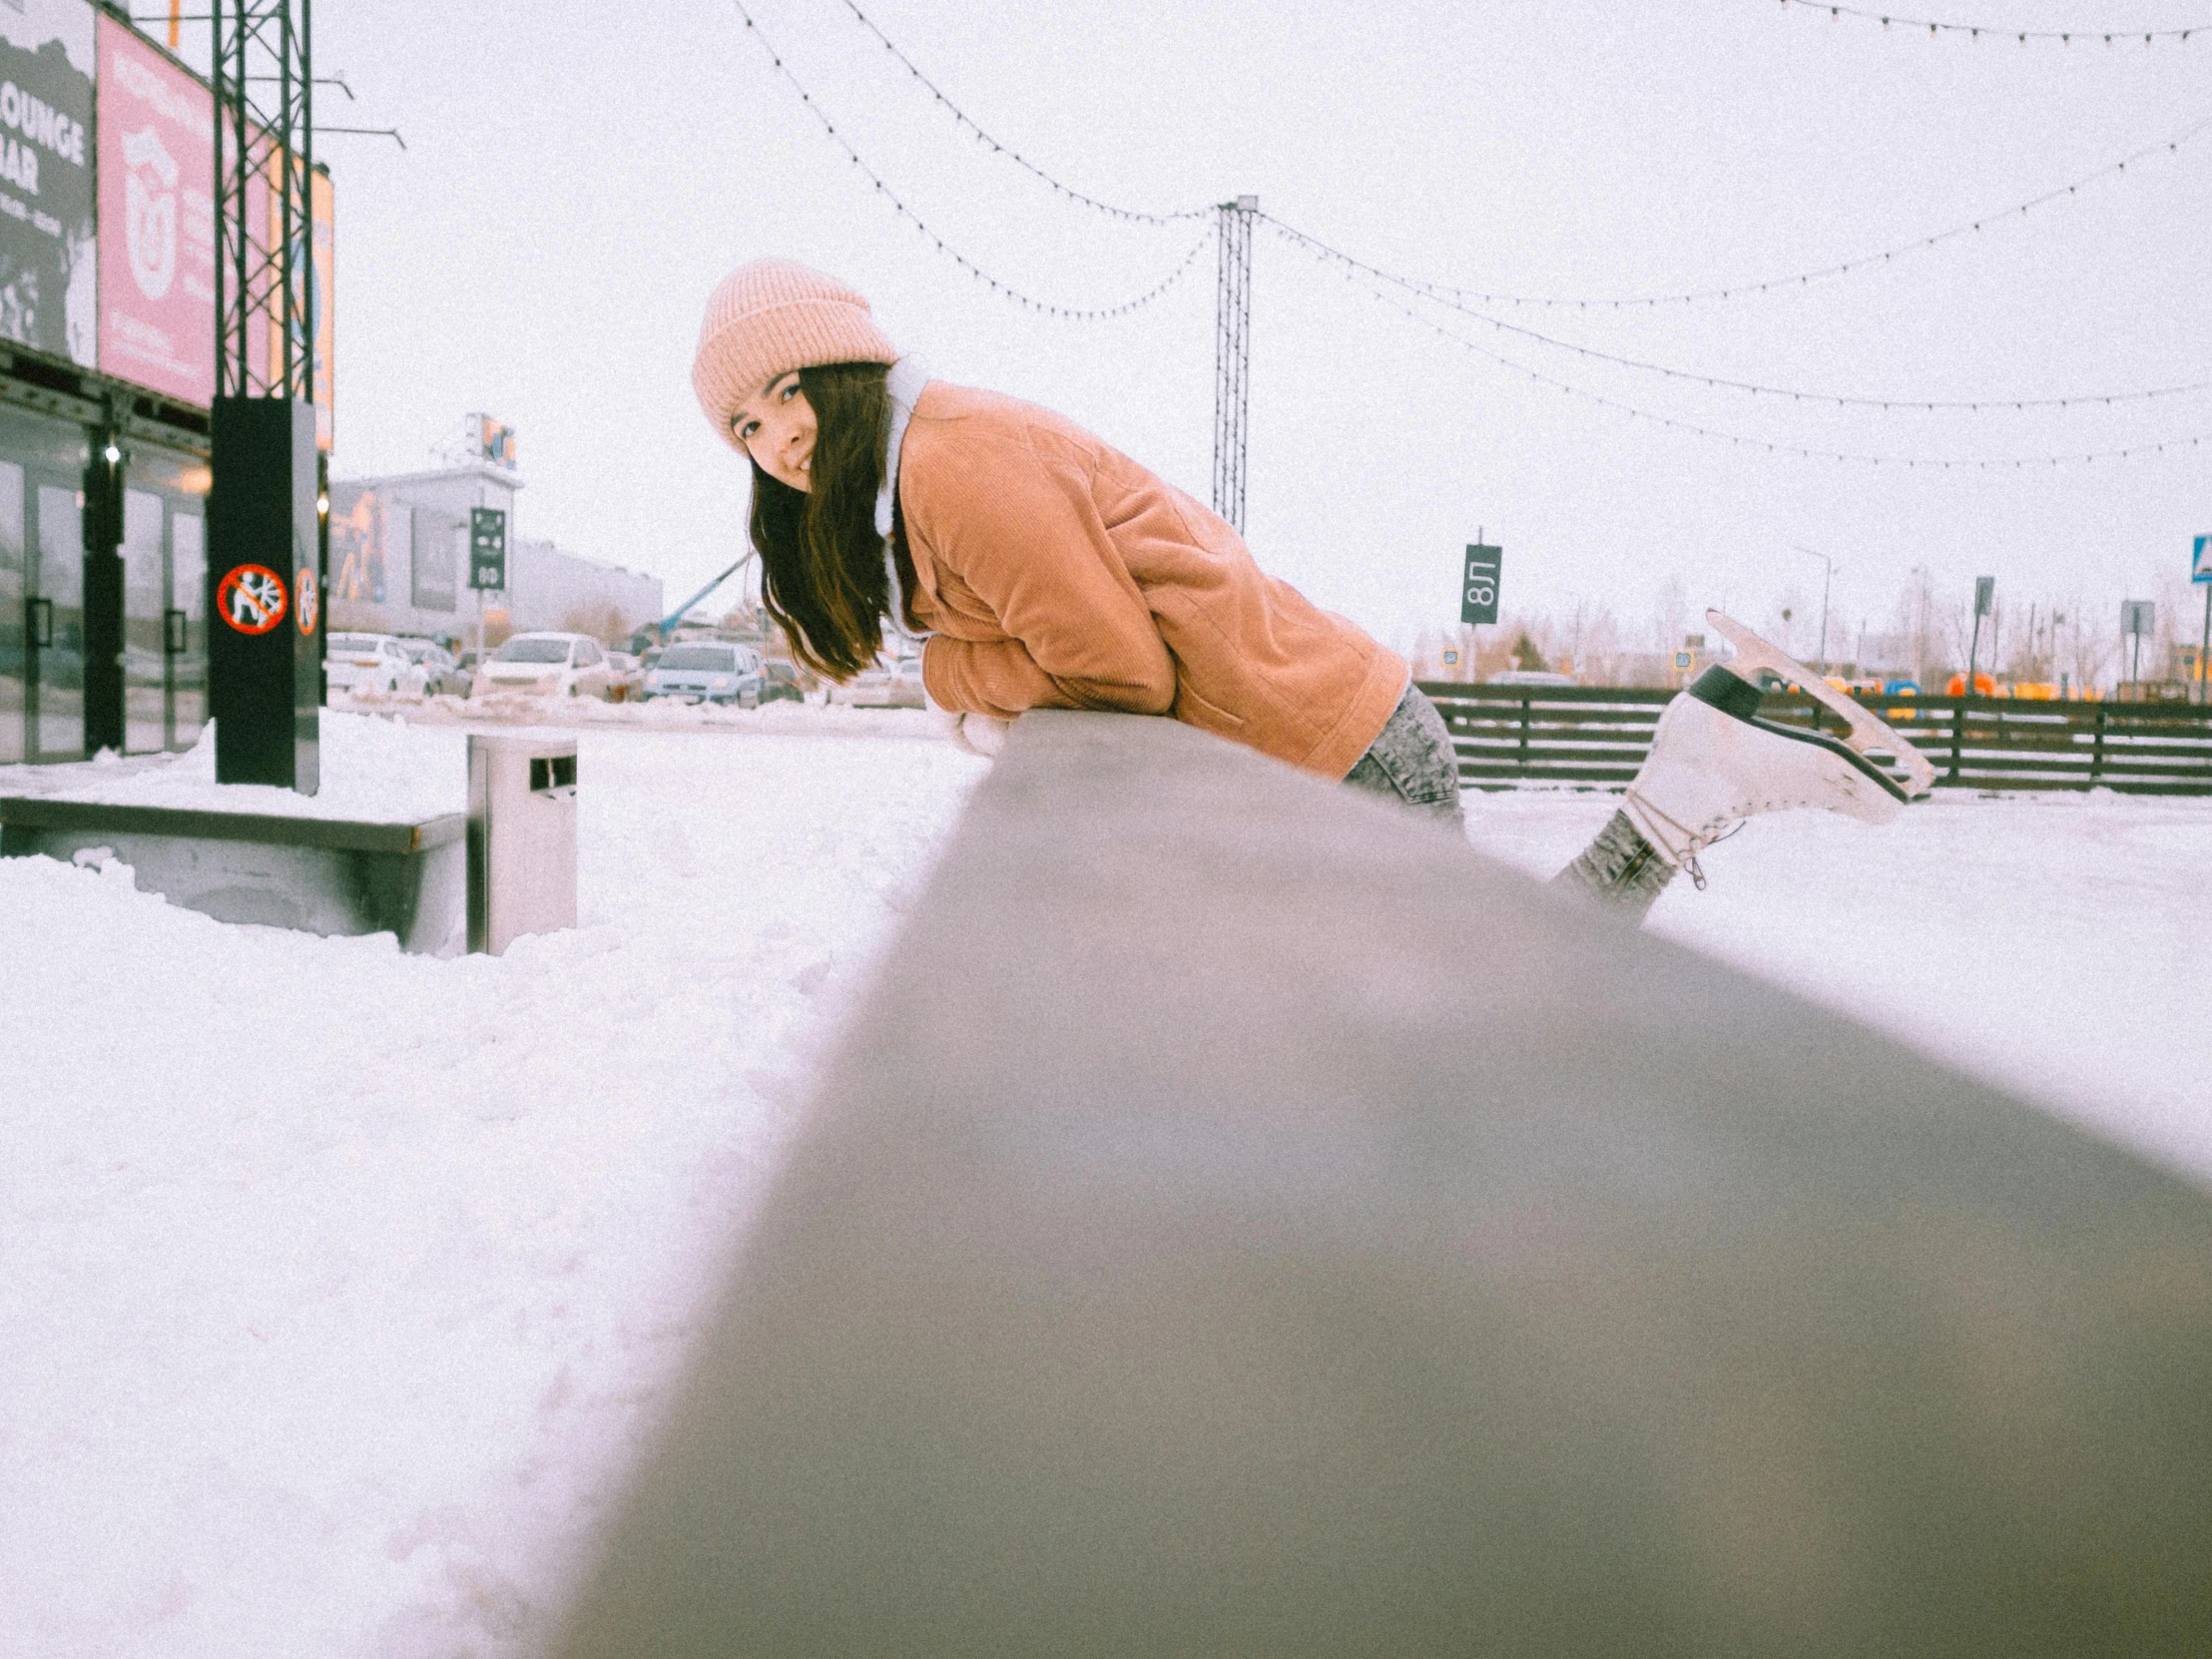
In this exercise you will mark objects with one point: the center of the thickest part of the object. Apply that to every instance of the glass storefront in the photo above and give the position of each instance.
(57, 698)
(15, 591)
(144, 598)
(164, 663)
(164, 629)
(184, 629)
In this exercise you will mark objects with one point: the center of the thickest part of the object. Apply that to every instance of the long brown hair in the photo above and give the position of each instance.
(821, 560)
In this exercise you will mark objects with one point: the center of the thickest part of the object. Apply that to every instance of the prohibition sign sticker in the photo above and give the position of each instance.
(311, 605)
(250, 599)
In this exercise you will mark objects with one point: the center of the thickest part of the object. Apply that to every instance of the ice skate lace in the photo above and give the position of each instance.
(1693, 842)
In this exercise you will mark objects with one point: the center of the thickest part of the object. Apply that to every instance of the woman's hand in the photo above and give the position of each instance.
(977, 733)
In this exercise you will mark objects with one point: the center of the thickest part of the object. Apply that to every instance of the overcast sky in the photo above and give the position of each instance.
(578, 175)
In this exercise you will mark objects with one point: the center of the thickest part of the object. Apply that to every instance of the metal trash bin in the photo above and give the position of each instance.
(521, 836)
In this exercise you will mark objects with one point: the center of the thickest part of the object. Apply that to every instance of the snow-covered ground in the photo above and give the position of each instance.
(337, 1287)
(2049, 944)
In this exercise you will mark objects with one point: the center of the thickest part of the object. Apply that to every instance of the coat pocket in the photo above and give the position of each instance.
(1193, 710)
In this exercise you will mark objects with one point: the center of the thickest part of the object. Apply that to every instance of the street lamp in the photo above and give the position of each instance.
(1826, 579)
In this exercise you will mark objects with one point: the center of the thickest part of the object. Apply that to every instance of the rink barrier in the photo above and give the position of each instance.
(1508, 735)
(1238, 1217)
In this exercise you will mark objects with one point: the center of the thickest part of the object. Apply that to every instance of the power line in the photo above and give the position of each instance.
(1073, 313)
(1841, 400)
(2064, 37)
(999, 148)
(1801, 279)
(1450, 294)
(1739, 439)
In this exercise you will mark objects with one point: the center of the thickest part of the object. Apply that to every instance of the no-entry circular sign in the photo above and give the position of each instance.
(251, 598)
(310, 600)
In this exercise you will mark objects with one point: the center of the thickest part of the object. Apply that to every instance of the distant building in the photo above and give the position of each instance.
(399, 563)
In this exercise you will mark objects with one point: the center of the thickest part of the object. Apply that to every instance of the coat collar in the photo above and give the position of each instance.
(908, 376)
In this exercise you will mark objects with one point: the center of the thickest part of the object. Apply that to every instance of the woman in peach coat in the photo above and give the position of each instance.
(1040, 568)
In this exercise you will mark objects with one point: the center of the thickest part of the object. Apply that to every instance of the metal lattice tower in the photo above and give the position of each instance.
(264, 165)
(1233, 355)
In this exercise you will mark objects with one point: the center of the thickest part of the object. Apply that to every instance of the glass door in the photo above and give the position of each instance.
(15, 592)
(145, 590)
(57, 617)
(185, 628)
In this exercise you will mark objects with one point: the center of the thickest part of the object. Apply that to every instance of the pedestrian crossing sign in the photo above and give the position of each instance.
(1682, 661)
(2200, 560)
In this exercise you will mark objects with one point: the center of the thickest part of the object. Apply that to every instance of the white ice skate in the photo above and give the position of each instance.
(1715, 762)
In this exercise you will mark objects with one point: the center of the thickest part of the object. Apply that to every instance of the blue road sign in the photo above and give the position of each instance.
(2200, 560)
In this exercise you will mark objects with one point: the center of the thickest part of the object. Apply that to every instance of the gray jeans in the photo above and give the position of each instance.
(1413, 760)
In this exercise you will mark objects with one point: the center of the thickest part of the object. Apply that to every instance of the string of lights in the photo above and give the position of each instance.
(1043, 308)
(1974, 31)
(1740, 440)
(1841, 400)
(998, 148)
(1804, 279)
(1735, 291)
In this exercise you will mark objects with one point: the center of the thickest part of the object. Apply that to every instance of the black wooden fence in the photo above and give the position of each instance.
(1595, 735)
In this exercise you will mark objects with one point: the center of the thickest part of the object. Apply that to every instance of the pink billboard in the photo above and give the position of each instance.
(156, 140)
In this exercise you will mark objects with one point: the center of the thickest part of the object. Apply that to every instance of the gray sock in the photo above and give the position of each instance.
(1619, 871)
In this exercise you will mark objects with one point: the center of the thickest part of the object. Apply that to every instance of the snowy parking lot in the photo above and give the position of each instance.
(339, 1287)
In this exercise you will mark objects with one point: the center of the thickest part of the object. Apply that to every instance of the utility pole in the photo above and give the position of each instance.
(265, 530)
(2204, 650)
(1232, 354)
(2200, 570)
(1827, 578)
(1920, 626)
(1984, 601)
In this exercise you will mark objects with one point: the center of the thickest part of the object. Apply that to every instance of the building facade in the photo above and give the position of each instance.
(103, 615)
(399, 564)
(107, 342)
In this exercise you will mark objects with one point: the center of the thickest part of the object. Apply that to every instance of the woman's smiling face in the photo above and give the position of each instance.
(776, 426)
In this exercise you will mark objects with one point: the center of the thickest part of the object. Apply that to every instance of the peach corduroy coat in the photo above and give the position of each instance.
(1059, 574)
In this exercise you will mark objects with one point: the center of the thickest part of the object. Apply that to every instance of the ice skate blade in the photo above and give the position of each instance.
(1867, 733)
(1712, 766)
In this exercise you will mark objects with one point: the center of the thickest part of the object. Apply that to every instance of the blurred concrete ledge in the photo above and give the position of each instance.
(1243, 1220)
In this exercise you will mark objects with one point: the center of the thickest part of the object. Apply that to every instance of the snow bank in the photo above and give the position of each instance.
(374, 770)
(338, 1287)
(778, 719)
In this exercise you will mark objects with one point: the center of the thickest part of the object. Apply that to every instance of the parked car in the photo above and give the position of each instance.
(1531, 677)
(781, 681)
(369, 662)
(629, 676)
(705, 671)
(442, 675)
(545, 665)
(889, 684)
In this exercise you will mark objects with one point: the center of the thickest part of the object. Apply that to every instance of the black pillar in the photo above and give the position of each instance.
(264, 632)
(103, 660)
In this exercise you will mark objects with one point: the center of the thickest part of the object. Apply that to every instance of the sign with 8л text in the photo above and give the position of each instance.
(1478, 584)
(487, 548)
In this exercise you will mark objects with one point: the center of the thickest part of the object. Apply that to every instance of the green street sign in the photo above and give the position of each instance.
(1478, 584)
(487, 548)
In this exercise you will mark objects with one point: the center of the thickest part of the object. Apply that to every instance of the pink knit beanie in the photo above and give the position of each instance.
(769, 318)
